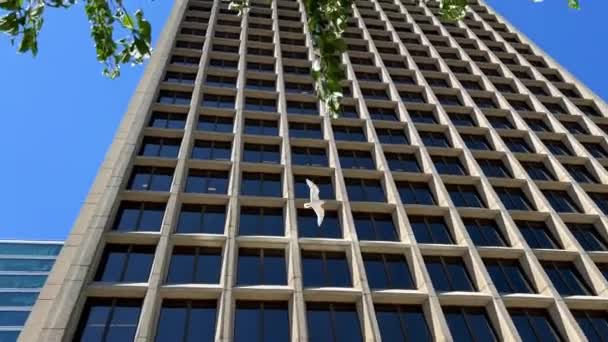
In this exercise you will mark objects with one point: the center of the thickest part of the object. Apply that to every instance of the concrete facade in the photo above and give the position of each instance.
(482, 42)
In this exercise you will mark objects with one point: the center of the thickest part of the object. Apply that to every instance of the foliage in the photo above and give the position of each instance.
(23, 20)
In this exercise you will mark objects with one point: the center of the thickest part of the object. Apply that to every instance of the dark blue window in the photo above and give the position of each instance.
(561, 201)
(211, 150)
(326, 188)
(387, 271)
(566, 278)
(13, 319)
(534, 325)
(108, 320)
(174, 97)
(159, 147)
(517, 144)
(448, 273)
(21, 265)
(215, 124)
(469, 324)
(304, 108)
(580, 173)
(305, 130)
(145, 178)
(537, 125)
(187, 321)
(415, 193)
(261, 322)
(600, 199)
(311, 156)
(448, 165)
(125, 263)
(167, 120)
(402, 323)
(352, 133)
(377, 113)
(218, 101)
(588, 236)
(139, 216)
(557, 147)
(465, 195)
(499, 121)
(207, 181)
(375, 226)
(261, 184)
(537, 170)
(596, 150)
(329, 322)
(593, 323)
(507, 276)
(422, 116)
(261, 221)
(261, 127)
(484, 232)
(206, 219)
(365, 190)
(307, 225)
(18, 298)
(476, 142)
(325, 269)
(460, 119)
(392, 136)
(261, 267)
(435, 139)
(356, 159)
(430, 229)
(261, 153)
(494, 168)
(405, 162)
(190, 265)
(262, 105)
(513, 198)
(537, 234)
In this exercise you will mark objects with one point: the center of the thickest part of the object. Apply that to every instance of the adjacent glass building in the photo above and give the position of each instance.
(466, 189)
(24, 267)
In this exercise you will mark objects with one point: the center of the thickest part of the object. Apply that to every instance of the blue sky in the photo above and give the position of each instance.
(59, 114)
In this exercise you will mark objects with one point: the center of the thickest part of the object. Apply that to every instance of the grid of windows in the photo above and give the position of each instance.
(400, 174)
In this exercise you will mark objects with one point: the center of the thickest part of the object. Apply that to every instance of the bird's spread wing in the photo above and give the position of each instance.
(314, 190)
(318, 208)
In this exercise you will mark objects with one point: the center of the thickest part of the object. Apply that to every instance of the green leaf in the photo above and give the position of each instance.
(28, 42)
(574, 4)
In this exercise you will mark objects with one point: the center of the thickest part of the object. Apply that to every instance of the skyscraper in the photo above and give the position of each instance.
(465, 184)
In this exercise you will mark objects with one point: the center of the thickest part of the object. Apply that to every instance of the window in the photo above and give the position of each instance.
(261, 321)
(261, 221)
(195, 265)
(448, 165)
(430, 229)
(459, 119)
(261, 153)
(566, 278)
(499, 121)
(322, 269)
(18, 298)
(260, 67)
(391, 136)
(537, 234)
(507, 276)
(139, 217)
(211, 150)
(180, 77)
(437, 139)
(29, 249)
(387, 271)
(537, 170)
(186, 321)
(305, 130)
(448, 273)
(600, 199)
(411, 97)
(402, 323)
(363, 189)
(215, 124)
(307, 225)
(420, 116)
(174, 97)
(484, 102)
(205, 219)
(484, 232)
(557, 147)
(574, 127)
(145, 178)
(331, 322)
(469, 324)
(378, 113)
(261, 267)
(125, 263)
(494, 168)
(218, 101)
(221, 81)
(352, 133)
(108, 320)
(589, 110)
(326, 189)
(12, 319)
(593, 323)
(580, 173)
(304, 108)
(561, 201)
(514, 198)
(375, 226)
(12, 281)
(356, 159)
(415, 193)
(207, 181)
(374, 94)
(517, 144)
(225, 64)
(534, 325)
(262, 105)
(405, 162)
(537, 125)
(167, 120)
(298, 88)
(25, 265)
(588, 236)
(465, 195)
(519, 105)
(310, 156)
(261, 184)
(261, 127)
(475, 141)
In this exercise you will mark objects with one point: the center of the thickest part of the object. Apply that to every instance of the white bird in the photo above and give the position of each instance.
(315, 203)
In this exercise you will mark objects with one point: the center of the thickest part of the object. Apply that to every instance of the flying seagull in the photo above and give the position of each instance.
(315, 203)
